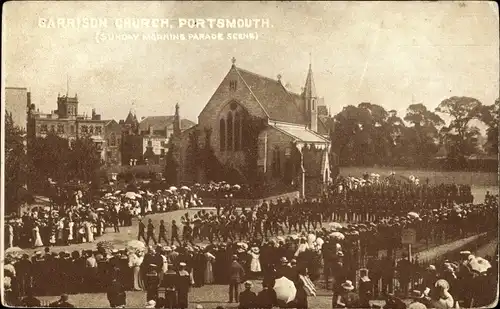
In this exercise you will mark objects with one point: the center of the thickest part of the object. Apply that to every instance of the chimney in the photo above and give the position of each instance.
(93, 114)
(28, 99)
(150, 129)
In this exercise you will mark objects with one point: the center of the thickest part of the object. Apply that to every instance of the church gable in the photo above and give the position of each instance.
(232, 89)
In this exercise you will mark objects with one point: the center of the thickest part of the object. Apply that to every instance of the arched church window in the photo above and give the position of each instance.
(222, 132)
(313, 104)
(230, 131)
(237, 132)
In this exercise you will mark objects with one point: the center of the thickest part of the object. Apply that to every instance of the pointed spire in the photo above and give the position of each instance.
(310, 88)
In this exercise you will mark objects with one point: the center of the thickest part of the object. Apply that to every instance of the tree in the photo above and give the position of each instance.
(171, 164)
(423, 135)
(16, 168)
(459, 135)
(489, 115)
(85, 159)
(50, 156)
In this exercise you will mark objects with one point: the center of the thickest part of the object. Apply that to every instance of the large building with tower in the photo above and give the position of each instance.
(66, 122)
(257, 131)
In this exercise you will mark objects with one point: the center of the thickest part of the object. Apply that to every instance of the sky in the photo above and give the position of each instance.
(386, 53)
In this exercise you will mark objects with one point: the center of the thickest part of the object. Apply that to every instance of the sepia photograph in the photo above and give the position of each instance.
(250, 154)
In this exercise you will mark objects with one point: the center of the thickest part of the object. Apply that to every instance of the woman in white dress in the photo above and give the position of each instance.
(36, 236)
(88, 232)
(255, 267)
(70, 232)
(134, 262)
(209, 273)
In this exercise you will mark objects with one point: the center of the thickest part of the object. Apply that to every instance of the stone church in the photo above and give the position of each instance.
(254, 130)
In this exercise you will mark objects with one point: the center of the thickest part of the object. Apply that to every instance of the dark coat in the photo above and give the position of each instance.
(247, 300)
(266, 298)
(116, 294)
(236, 272)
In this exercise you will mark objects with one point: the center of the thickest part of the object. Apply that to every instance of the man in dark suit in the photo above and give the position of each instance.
(267, 297)
(247, 297)
(142, 230)
(236, 273)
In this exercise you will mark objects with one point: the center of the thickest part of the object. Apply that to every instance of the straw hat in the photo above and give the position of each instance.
(347, 285)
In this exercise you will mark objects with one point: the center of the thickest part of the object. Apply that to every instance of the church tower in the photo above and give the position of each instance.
(177, 122)
(67, 106)
(310, 101)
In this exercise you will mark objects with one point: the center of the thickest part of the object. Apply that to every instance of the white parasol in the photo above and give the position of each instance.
(100, 209)
(479, 264)
(14, 251)
(413, 215)
(237, 187)
(134, 245)
(335, 226)
(130, 195)
(285, 289)
(337, 236)
(172, 188)
(185, 188)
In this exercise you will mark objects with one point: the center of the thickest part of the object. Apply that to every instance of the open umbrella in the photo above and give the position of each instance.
(285, 290)
(134, 245)
(131, 195)
(100, 209)
(337, 236)
(479, 264)
(413, 214)
(335, 226)
(185, 188)
(118, 192)
(237, 187)
(14, 251)
(172, 188)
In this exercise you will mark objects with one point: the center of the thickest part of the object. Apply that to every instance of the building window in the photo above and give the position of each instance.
(98, 130)
(232, 85)
(313, 104)
(53, 128)
(113, 140)
(43, 128)
(276, 162)
(237, 132)
(162, 152)
(72, 129)
(222, 131)
(91, 129)
(230, 129)
(150, 143)
(163, 144)
(84, 129)
(60, 128)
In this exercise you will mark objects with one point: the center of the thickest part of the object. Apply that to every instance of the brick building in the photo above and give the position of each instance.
(67, 123)
(147, 141)
(291, 144)
(17, 103)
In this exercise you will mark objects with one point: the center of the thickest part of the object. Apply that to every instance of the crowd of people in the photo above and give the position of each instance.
(81, 220)
(230, 245)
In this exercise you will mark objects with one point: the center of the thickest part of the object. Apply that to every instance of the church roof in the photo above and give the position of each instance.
(160, 122)
(278, 103)
(131, 118)
(301, 133)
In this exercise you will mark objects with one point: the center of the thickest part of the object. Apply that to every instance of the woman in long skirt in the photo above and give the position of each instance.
(209, 273)
(135, 263)
(36, 236)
